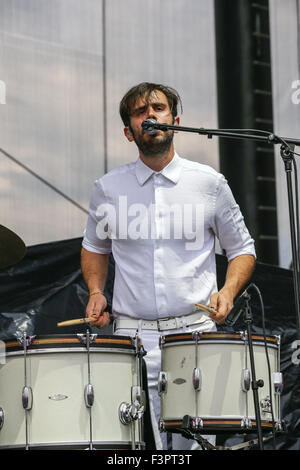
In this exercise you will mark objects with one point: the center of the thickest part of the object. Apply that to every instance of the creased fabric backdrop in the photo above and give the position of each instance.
(46, 287)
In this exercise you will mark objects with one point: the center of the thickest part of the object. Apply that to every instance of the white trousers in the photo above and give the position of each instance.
(150, 341)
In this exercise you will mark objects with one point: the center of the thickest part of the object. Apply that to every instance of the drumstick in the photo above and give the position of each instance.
(77, 321)
(208, 309)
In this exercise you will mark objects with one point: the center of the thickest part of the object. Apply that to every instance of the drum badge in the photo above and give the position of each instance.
(58, 397)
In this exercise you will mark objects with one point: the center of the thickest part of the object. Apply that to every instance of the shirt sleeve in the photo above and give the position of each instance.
(229, 225)
(91, 240)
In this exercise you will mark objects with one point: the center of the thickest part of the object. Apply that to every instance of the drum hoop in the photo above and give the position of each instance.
(74, 443)
(217, 337)
(51, 341)
(70, 350)
(191, 343)
(211, 420)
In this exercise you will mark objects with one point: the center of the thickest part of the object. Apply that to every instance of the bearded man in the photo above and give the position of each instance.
(160, 216)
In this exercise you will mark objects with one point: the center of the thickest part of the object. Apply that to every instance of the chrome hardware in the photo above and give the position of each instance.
(25, 340)
(279, 425)
(162, 383)
(134, 411)
(243, 335)
(125, 413)
(86, 339)
(161, 425)
(246, 380)
(246, 423)
(278, 339)
(27, 398)
(278, 383)
(197, 379)
(89, 395)
(196, 335)
(136, 395)
(129, 413)
(265, 405)
(162, 340)
(196, 423)
(1, 418)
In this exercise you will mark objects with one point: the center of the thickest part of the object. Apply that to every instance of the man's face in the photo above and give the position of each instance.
(156, 107)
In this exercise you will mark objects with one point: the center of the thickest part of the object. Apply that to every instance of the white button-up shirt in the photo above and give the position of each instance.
(161, 229)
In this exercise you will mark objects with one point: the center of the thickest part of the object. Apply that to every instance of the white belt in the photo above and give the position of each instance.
(174, 323)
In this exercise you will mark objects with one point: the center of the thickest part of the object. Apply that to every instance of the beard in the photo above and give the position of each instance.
(153, 146)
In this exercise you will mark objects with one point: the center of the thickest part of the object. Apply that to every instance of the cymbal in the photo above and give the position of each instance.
(12, 248)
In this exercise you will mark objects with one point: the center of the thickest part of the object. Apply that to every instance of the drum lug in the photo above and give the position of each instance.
(196, 335)
(83, 338)
(279, 426)
(26, 340)
(278, 382)
(27, 398)
(1, 418)
(246, 380)
(196, 423)
(89, 395)
(162, 383)
(243, 335)
(265, 405)
(162, 340)
(161, 425)
(246, 423)
(197, 379)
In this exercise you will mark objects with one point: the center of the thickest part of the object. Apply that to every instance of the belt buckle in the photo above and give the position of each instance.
(160, 320)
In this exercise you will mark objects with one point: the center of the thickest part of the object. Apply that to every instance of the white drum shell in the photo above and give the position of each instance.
(221, 367)
(59, 414)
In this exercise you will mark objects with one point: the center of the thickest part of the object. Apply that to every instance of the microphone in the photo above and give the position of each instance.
(148, 126)
(237, 308)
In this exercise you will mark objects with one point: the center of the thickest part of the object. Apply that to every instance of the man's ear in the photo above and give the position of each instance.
(128, 134)
(176, 123)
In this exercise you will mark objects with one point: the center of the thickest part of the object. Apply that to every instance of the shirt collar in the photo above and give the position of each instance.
(171, 171)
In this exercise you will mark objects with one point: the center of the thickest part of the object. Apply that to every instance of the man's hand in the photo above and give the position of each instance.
(222, 302)
(95, 309)
(239, 271)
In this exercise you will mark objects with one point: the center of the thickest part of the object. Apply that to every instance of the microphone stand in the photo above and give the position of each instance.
(286, 153)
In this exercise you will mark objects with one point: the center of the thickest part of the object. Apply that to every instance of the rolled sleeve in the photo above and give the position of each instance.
(91, 241)
(229, 225)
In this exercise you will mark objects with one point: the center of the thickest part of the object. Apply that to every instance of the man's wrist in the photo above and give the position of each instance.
(233, 286)
(96, 292)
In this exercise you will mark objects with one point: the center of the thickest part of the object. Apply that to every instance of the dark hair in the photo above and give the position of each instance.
(144, 90)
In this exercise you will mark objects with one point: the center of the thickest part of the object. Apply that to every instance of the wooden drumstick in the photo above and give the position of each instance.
(76, 321)
(208, 309)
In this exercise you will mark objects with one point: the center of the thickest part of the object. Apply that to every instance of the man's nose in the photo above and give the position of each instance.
(151, 114)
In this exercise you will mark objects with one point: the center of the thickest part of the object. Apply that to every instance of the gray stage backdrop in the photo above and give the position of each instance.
(285, 37)
(64, 65)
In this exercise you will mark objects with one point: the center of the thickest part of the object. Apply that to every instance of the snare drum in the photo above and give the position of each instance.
(205, 382)
(71, 391)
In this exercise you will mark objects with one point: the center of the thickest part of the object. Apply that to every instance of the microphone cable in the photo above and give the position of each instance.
(268, 360)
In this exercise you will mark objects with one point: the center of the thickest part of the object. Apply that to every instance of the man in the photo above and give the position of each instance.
(159, 216)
